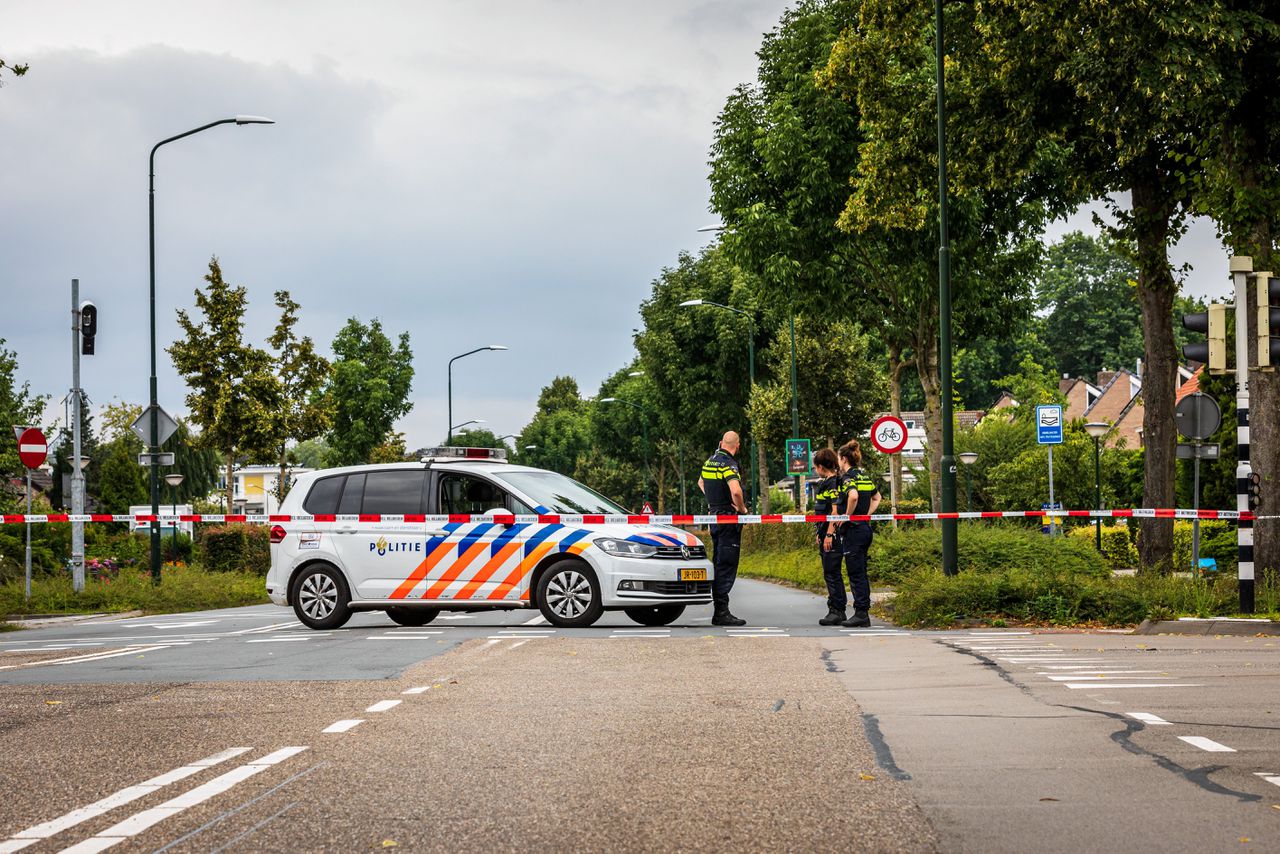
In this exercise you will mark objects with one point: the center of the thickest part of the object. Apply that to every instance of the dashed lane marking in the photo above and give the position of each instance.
(264, 629)
(384, 705)
(1148, 718)
(343, 726)
(138, 822)
(406, 636)
(280, 640)
(1273, 779)
(34, 834)
(421, 689)
(537, 620)
(1078, 685)
(1081, 676)
(96, 656)
(1206, 744)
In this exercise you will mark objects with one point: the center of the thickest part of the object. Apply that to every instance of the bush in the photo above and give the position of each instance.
(235, 548)
(1118, 548)
(781, 500)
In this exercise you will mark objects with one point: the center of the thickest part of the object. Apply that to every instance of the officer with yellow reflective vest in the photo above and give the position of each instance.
(721, 483)
(861, 498)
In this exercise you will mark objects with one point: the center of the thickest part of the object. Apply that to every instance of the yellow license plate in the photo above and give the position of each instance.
(693, 575)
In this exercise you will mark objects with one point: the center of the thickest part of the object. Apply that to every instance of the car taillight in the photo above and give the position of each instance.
(277, 534)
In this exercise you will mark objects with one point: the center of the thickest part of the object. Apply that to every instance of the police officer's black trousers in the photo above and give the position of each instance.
(857, 539)
(727, 546)
(833, 574)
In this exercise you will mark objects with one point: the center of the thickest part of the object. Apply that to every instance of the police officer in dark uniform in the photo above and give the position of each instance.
(862, 499)
(828, 500)
(721, 483)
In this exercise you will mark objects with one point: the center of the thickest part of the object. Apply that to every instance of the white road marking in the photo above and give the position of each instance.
(538, 620)
(138, 822)
(1084, 667)
(384, 705)
(761, 635)
(1206, 744)
(278, 640)
(406, 636)
(1133, 685)
(95, 656)
(994, 634)
(126, 795)
(1273, 779)
(456, 617)
(184, 624)
(421, 689)
(1065, 678)
(518, 644)
(1052, 658)
(638, 635)
(1148, 718)
(261, 629)
(343, 726)
(492, 641)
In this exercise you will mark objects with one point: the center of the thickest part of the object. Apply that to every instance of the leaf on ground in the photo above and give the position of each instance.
(866, 776)
(1245, 839)
(390, 843)
(53, 702)
(1048, 799)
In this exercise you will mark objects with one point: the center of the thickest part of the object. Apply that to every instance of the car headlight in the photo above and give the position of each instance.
(625, 548)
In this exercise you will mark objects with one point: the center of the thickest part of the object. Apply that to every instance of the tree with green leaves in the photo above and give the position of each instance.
(301, 373)
(559, 431)
(475, 438)
(17, 70)
(367, 391)
(18, 406)
(234, 394)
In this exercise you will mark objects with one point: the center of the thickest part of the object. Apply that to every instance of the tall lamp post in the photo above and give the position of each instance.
(644, 426)
(950, 561)
(968, 458)
(464, 424)
(751, 373)
(154, 432)
(451, 361)
(1097, 429)
(174, 480)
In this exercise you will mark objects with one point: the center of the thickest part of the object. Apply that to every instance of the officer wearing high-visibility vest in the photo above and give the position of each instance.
(862, 497)
(828, 499)
(721, 483)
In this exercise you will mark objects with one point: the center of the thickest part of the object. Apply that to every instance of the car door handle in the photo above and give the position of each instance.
(437, 532)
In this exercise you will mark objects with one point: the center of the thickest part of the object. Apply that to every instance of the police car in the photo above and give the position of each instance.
(331, 567)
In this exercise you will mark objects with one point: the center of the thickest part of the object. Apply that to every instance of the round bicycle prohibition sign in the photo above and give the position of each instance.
(889, 434)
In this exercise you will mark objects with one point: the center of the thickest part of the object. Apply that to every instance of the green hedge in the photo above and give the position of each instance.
(180, 589)
(235, 548)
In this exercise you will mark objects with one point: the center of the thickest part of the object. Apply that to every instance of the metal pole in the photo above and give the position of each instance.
(1097, 489)
(28, 563)
(680, 460)
(1052, 530)
(173, 540)
(449, 439)
(968, 489)
(949, 542)
(795, 414)
(1241, 267)
(154, 432)
(751, 368)
(1195, 505)
(77, 473)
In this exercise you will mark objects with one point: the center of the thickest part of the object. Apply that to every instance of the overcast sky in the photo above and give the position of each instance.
(471, 172)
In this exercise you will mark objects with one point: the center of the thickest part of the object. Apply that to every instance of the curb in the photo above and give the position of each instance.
(1230, 627)
(37, 621)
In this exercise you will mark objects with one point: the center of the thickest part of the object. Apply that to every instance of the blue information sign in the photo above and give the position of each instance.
(1049, 424)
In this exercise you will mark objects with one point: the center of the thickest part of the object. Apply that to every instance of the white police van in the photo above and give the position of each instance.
(339, 563)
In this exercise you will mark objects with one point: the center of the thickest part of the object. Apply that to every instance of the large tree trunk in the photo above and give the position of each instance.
(926, 350)
(1152, 210)
(231, 481)
(762, 466)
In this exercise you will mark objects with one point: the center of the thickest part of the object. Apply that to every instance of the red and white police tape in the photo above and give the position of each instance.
(619, 519)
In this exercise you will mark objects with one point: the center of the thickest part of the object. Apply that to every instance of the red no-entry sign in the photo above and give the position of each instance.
(33, 449)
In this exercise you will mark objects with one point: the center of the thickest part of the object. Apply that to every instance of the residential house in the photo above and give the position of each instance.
(254, 488)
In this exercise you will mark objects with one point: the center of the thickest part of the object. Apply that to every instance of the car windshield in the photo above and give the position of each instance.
(555, 493)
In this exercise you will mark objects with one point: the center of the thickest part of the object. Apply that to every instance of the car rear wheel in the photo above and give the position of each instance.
(320, 597)
(569, 595)
(412, 616)
(655, 615)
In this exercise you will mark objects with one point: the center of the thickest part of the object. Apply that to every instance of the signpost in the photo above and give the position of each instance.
(889, 436)
(33, 450)
(1197, 417)
(798, 455)
(1049, 432)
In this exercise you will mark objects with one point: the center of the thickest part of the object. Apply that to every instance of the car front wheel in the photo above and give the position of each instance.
(569, 595)
(655, 615)
(320, 597)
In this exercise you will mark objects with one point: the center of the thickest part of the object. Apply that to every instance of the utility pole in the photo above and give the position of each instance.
(77, 473)
(948, 481)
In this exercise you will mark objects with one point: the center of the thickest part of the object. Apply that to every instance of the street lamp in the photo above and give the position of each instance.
(1097, 429)
(968, 458)
(464, 424)
(644, 422)
(451, 361)
(174, 480)
(154, 432)
(751, 371)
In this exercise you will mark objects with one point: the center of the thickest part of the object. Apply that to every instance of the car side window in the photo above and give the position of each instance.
(393, 492)
(324, 495)
(463, 494)
(352, 494)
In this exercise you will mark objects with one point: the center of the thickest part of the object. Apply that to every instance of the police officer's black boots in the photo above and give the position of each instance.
(833, 618)
(860, 619)
(722, 617)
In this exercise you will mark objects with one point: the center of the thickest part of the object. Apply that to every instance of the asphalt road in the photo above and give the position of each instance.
(238, 730)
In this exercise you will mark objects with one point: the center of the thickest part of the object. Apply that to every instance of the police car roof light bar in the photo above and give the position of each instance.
(447, 453)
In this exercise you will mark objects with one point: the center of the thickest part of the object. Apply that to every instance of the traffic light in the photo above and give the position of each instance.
(1268, 290)
(1255, 491)
(88, 326)
(1213, 324)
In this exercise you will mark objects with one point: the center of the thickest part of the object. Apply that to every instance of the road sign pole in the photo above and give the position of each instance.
(1241, 266)
(1195, 523)
(1051, 518)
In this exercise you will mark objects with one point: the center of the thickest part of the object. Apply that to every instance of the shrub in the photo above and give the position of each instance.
(1117, 546)
(982, 548)
(235, 548)
(181, 589)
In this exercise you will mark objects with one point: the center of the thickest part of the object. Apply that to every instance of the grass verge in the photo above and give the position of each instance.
(183, 588)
